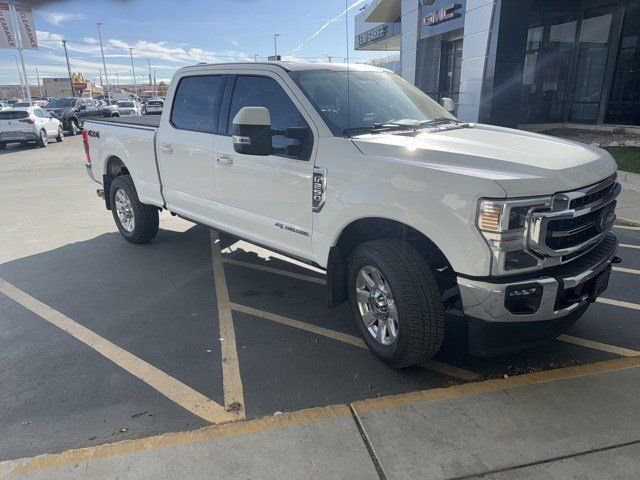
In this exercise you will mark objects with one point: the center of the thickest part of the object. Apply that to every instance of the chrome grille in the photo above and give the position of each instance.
(577, 221)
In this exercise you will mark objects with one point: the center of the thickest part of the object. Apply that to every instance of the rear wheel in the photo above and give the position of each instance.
(60, 136)
(43, 140)
(396, 302)
(137, 222)
(3, 146)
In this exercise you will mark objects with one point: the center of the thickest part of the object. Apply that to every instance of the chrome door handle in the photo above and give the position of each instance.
(166, 148)
(225, 160)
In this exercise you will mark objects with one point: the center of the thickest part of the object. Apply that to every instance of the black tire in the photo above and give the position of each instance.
(73, 128)
(416, 297)
(43, 140)
(3, 146)
(145, 216)
(60, 136)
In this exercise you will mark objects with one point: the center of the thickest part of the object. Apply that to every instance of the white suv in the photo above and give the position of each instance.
(30, 124)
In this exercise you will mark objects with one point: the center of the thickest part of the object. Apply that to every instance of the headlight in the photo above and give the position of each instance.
(503, 224)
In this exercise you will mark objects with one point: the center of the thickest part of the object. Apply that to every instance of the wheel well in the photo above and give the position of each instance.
(115, 167)
(367, 229)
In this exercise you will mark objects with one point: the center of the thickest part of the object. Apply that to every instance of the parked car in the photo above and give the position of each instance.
(29, 124)
(73, 112)
(111, 106)
(411, 212)
(154, 107)
(129, 108)
(33, 103)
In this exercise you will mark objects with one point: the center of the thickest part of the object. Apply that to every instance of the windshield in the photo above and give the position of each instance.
(126, 104)
(155, 103)
(376, 99)
(22, 104)
(62, 103)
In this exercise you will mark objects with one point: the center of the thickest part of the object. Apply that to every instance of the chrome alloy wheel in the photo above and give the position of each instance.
(124, 210)
(376, 305)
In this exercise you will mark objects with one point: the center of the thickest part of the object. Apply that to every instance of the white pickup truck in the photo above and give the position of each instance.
(412, 213)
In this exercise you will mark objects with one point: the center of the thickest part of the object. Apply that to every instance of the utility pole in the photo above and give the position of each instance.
(117, 81)
(19, 75)
(101, 84)
(329, 57)
(12, 11)
(66, 54)
(255, 57)
(133, 70)
(104, 63)
(275, 43)
(155, 83)
(149, 63)
(38, 79)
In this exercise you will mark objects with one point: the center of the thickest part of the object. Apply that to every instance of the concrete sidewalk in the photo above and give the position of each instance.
(576, 422)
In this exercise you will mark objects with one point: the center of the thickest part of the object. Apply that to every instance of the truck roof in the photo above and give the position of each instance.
(291, 65)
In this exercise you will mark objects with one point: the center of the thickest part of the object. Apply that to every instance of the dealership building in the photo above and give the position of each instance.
(516, 62)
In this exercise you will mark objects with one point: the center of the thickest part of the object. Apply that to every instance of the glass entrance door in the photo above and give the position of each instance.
(593, 48)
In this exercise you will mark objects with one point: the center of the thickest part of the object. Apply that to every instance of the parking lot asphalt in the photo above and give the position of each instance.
(102, 341)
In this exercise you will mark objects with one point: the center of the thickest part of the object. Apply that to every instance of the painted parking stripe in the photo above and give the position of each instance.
(231, 379)
(171, 388)
(626, 245)
(627, 227)
(633, 271)
(444, 368)
(300, 417)
(618, 303)
(277, 271)
(604, 347)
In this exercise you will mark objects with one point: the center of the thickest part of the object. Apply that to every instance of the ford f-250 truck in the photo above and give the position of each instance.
(411, 212)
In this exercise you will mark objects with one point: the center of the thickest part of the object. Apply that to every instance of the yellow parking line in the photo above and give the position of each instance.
(624, 352)
(171, 388)
(626, 245)
(626, 270)
(231, 379)
(618, 303)
(444, 368)
(627, 227)
(277, 271)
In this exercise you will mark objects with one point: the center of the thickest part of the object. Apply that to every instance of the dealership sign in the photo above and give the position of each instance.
(440, 16)
(27, 27)
(7, 39)
(373, 35)
(78, 81)
(450, 12)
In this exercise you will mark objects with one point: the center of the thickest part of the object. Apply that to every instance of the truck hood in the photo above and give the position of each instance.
(522, 163)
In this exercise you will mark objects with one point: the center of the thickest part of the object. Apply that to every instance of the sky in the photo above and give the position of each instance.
(172, 34)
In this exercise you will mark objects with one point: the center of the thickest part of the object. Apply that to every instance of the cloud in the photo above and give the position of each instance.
(48, 37)
(58, 18)
(173, 53)
(327, 23)
(91, 41)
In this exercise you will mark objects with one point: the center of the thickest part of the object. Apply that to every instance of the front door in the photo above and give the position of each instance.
(185, 144)
(266, 199)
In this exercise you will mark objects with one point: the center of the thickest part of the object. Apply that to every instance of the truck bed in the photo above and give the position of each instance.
(143, 121)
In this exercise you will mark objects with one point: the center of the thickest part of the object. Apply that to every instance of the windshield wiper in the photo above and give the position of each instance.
(378, 127)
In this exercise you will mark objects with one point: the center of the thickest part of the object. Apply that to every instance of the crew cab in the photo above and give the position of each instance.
(28, 125)
(73, 112)
(414, 215)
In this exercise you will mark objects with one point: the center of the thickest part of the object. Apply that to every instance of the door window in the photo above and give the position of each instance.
(196, 104)
(254, 91)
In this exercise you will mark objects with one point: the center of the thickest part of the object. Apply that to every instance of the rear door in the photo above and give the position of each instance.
(266, 198)
(185, 145)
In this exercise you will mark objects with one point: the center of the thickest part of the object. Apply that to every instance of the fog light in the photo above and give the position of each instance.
(523, 299)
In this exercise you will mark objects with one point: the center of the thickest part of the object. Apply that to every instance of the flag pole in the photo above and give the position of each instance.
(18, 37)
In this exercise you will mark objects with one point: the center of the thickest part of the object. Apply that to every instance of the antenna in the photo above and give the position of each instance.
(346, 28)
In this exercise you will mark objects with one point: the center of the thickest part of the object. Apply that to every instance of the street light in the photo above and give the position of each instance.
(38, 77)
(133, 70)
(19, 75)
(275, 43)
(329, 57)
(104, 63)
(66, 54)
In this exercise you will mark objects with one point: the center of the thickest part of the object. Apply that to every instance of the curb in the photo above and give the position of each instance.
(632, 179)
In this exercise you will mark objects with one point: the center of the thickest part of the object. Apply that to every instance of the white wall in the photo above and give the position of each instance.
(409, 21)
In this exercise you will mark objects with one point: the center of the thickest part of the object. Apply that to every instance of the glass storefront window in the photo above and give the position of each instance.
(624, 101)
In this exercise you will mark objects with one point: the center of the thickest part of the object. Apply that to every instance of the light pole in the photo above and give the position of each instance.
(38, 79)
(149, 64)
(66, 54)
(329, 57)
(104, 63)
(19, 75)
(255, 57)
(275, 43)
(133, 70)
(101, 84)
(155, 84)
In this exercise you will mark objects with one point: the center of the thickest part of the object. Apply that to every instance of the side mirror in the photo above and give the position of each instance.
(448, 105)
(252, 131)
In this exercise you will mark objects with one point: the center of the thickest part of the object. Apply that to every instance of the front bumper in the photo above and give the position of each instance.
(565, 288)
(18, 136)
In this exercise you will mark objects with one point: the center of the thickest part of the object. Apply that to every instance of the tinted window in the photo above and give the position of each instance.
(40, 113)
(265, 92)
(13, 115)
(196, 103)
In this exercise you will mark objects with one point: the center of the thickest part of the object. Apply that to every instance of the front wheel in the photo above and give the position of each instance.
(73, 128)
(137, 222)
(396, 302)
(3, 146)
(60, 136)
